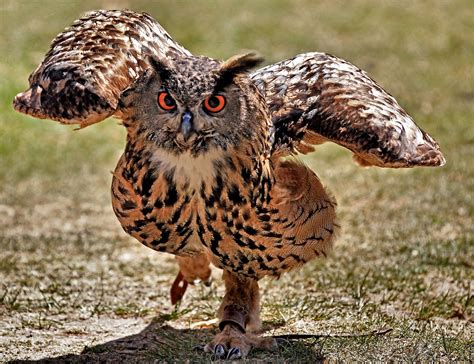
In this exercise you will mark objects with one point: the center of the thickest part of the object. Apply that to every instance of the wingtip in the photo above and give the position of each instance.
(425, 155)
(443, 161)
(440, 160)
(429, 156)
(28, 103)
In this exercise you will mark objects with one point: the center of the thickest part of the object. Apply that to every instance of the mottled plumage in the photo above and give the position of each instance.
(203, 174)
(91, 63)
(316, 97)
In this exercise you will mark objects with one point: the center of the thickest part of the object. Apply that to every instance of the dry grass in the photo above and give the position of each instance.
(74, 286)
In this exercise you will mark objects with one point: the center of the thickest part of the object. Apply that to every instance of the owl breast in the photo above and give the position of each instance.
(156, 196)
(233, 206)
(190, 171)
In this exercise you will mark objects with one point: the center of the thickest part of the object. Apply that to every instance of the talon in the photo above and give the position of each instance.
(234, 353)
(282, 342)
(208, 282)
(219, 351)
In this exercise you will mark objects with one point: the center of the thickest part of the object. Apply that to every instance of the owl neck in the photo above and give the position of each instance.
(247, 173)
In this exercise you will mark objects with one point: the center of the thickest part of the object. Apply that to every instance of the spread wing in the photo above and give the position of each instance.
(91, 63)
(316, 97)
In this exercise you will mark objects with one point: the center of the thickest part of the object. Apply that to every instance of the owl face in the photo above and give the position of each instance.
(194, 104)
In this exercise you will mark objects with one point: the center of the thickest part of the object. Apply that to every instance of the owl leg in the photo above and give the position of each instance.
(191, 268)
(239, 316)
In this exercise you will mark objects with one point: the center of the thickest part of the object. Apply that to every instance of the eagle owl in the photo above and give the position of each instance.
(210, 171)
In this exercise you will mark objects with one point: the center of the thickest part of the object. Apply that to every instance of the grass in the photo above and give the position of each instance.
(74, 286)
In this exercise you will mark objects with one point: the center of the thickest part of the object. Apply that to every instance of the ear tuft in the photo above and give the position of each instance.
(161, 66)
(240, 64)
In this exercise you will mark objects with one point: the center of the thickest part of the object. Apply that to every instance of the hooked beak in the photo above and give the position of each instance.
(187, 127)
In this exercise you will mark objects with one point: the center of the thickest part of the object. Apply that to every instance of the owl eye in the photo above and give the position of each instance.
(166, 102)
(214, 103)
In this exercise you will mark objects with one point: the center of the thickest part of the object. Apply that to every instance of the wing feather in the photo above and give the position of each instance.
(89, 64)
(316, 97)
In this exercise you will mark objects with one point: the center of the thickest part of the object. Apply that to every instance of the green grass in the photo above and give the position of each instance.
(72, 282)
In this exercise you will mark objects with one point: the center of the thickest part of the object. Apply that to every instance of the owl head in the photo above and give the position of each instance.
(192, 104)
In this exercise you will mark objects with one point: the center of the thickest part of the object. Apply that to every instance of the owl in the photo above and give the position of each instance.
(210, 171)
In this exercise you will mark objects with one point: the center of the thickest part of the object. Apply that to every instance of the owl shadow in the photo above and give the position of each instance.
(160, 342)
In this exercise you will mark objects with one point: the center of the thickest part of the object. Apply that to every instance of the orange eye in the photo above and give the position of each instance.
(214, 103)
(166, 102)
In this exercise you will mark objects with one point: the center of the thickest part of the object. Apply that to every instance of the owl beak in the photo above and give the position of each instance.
(187, 127)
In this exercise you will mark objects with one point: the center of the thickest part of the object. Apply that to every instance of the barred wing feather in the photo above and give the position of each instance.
(316, 97)
(89, 64)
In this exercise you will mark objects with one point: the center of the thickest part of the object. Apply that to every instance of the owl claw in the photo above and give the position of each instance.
(234, 353)
(219, 351)
(207, 282)
(239, 344)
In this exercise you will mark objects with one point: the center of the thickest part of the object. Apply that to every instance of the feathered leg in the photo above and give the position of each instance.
(190, 270)
(239, 316)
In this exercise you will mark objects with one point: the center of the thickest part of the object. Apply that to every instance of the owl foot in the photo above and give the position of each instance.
(178, 288)
(239, 320)
(191, 269)
(231, 343)
(234, 342)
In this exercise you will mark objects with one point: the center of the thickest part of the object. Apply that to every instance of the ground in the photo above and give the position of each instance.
(398, 286)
